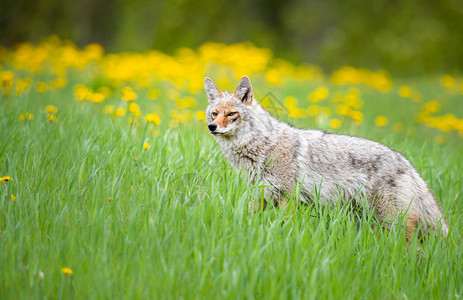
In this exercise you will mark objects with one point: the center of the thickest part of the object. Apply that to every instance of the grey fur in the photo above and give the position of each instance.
(279, 156)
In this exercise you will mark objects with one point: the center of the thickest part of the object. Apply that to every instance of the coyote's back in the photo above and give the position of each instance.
(279, 157)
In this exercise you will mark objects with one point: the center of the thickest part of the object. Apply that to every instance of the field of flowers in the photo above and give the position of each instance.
(110, 185)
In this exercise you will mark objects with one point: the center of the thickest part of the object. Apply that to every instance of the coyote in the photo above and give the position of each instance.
(333, 167)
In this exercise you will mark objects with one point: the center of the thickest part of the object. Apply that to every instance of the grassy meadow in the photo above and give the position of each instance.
(113, 188)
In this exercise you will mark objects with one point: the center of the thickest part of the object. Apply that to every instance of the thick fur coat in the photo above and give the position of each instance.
(324, 166)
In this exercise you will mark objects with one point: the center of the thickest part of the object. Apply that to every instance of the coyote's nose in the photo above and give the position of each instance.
(212, 127)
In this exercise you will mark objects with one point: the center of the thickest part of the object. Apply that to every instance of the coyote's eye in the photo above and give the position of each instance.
(232, 114)
(214, 114)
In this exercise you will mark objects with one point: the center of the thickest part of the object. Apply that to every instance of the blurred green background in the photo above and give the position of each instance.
(407, 37)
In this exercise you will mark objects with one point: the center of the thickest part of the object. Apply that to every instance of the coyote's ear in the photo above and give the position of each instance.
(244, 90)
(212, 90)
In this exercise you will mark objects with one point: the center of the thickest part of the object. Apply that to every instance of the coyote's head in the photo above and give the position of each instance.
(226, 111)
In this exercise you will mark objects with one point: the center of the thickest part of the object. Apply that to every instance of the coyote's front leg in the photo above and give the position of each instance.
(273, 196)
(268, 196)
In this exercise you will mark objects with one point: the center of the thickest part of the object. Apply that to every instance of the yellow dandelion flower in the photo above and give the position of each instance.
(97, 97)
(6, 82)
(5, 179)
(290, 101)
(154, 118)
(58, 83)
(381, 121)
(459, 125)
(23, 85)
(146, 145)
(134, 109)
(51, 117)
(273, 77)
(186, 102)
(200, 115)
(82, 92)
(342, 109)
(405, 91)
(432, 107)
(27, 116)
(353, 101)
(66, 271)
(93, 51)
(13, 197)
(349, 75)
(128, 94)
(291, 104)
(335, 123)
(51, 109)
(319, 94)
(7, 76)
(120, 112)
(110, 198)
(447, 81)
(356, 115)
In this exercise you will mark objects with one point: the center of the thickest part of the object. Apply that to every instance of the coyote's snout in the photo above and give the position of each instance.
(279, 157)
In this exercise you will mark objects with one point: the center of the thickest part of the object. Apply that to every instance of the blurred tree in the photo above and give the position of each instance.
(405, 37)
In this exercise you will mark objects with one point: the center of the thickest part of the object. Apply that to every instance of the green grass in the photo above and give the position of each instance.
(178, 226)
